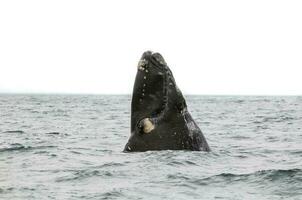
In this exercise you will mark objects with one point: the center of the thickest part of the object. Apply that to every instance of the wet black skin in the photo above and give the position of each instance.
(157, 97)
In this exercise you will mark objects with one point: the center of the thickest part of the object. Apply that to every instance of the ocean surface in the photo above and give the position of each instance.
(70, 147)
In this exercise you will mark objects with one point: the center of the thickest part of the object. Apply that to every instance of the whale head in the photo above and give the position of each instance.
(156, 103)
(149, 89)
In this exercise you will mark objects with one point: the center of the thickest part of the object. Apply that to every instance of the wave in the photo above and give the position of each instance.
(269, 175)
(269, 119)
(112, 194)
(14, 131)
(20, 147)
(53, 133)
(104, 170)
(115, 193)
(82, 174)
(5, 190)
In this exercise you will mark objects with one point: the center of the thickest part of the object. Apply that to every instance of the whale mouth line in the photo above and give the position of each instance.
(167, 76)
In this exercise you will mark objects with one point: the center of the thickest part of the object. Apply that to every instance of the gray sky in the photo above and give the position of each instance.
(212, 47)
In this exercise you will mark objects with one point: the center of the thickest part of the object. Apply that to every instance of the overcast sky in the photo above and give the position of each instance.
(212, 47)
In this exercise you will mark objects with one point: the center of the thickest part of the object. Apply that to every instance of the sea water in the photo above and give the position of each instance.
(70, 147)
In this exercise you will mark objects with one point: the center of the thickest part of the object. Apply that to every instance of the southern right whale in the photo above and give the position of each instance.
(160, 119)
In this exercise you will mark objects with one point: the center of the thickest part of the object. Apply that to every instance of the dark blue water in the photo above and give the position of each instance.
(70, 147)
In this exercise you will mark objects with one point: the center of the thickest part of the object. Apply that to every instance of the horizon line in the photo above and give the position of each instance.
(126, 94)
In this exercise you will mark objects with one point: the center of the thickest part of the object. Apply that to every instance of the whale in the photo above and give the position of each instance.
(160, 119)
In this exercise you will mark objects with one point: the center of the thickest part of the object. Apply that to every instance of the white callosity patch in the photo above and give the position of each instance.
(141, 64)
(148, 125)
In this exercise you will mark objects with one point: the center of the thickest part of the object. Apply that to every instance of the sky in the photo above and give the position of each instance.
(212, 47)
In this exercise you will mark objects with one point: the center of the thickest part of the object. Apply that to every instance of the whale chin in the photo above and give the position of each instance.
(159, 116)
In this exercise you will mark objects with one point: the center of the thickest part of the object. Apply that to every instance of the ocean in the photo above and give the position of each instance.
(70, 147)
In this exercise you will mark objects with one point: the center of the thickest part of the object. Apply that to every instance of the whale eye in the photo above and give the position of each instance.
(146, 125)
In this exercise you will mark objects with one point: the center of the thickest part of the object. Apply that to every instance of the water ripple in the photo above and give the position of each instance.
(70, 147)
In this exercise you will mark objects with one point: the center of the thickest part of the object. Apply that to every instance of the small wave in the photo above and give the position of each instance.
(175, 163)
(188, 162)
(112, 164)
(181, 163)
(14, 131)
(34, 111)
(10, 189)
(112, 194)
(53, 133)
(239, 101)
(241, 137)
(280, 173)
(296, 152)
(277, 119)
(20, 147)
(75, 152)
(82, 174)
(5, 190)
(270, 175)
(178, 177)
